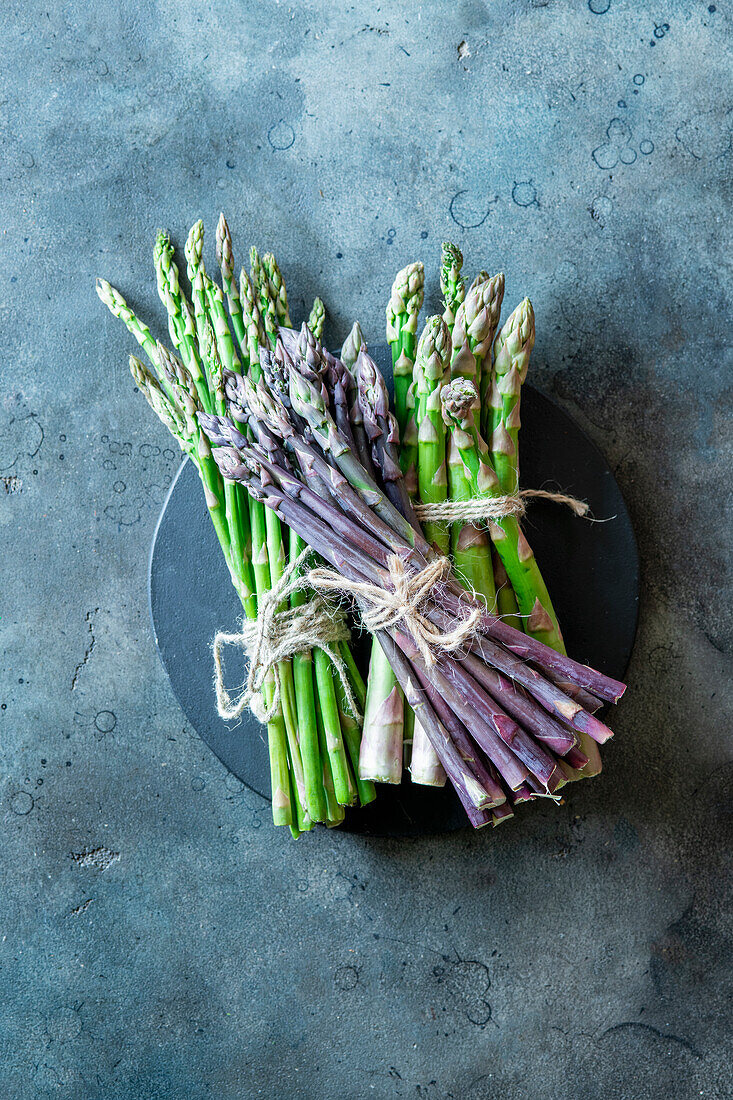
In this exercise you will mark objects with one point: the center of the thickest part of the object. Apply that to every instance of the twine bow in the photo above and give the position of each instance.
(275, 636)
(401, 604)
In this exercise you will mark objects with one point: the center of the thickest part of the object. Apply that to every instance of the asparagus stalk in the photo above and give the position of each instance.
(317, 318)
(352, 346)
(265, 301)
(511, 352)
(382, 431)
(404, 305)
(385, 714)
(532, 596)
(506, 601)
(335, 810)
(363, 449)
(409, 448)
(352, 739)
(431, 367)
(341, 387)
(474, 327)
(473, 332)
(470, 543)
(451, 282)
(343, 784)
(180, 315)
(193, 251)
(253, 324)
(512, 349)
(278, 292)
(408, 465)
(380, 757)
(381, 428)
(118, 307)
(225, 256)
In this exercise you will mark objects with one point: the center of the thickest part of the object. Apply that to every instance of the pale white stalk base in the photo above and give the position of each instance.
(425, 768)
(380, 756)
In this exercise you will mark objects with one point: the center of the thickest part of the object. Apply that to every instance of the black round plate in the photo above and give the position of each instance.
(591, 569)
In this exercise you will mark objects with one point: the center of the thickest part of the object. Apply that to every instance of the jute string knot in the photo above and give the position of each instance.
(275, 636)
(488, 508)
(401, 604)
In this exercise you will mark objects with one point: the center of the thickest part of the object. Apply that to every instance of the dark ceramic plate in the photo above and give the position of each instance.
(592, 571)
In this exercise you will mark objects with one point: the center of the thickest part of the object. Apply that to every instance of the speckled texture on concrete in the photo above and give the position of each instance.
(159, 939)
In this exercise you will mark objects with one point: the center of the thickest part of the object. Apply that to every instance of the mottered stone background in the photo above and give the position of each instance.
(158, 938)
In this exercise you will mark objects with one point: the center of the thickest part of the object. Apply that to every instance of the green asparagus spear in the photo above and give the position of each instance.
(352, 738)
(265, 301)
(404, 305)
(470, 543)
(511, 353)
(408, 450)
(117, 305)
(278, 293)
(225, 256)
(352, 346)
(180, 315)
(451, 282)
(474, 329)
(472, 332)
(431, 368)
(253, 325)
(532, 596)
(317, 318)
(506, 601)
(512, 349)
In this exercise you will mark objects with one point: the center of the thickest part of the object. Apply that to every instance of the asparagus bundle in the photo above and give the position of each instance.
(313, 736)
(468, 667)
(485, 693)
(494, 560)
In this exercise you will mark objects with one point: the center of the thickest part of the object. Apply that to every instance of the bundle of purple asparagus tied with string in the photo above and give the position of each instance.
(502, 713)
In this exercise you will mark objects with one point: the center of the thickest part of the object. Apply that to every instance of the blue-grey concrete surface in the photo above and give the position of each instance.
(158, 939)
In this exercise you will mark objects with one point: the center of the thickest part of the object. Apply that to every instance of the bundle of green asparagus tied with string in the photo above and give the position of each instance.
(311, 699)
(316, 443)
